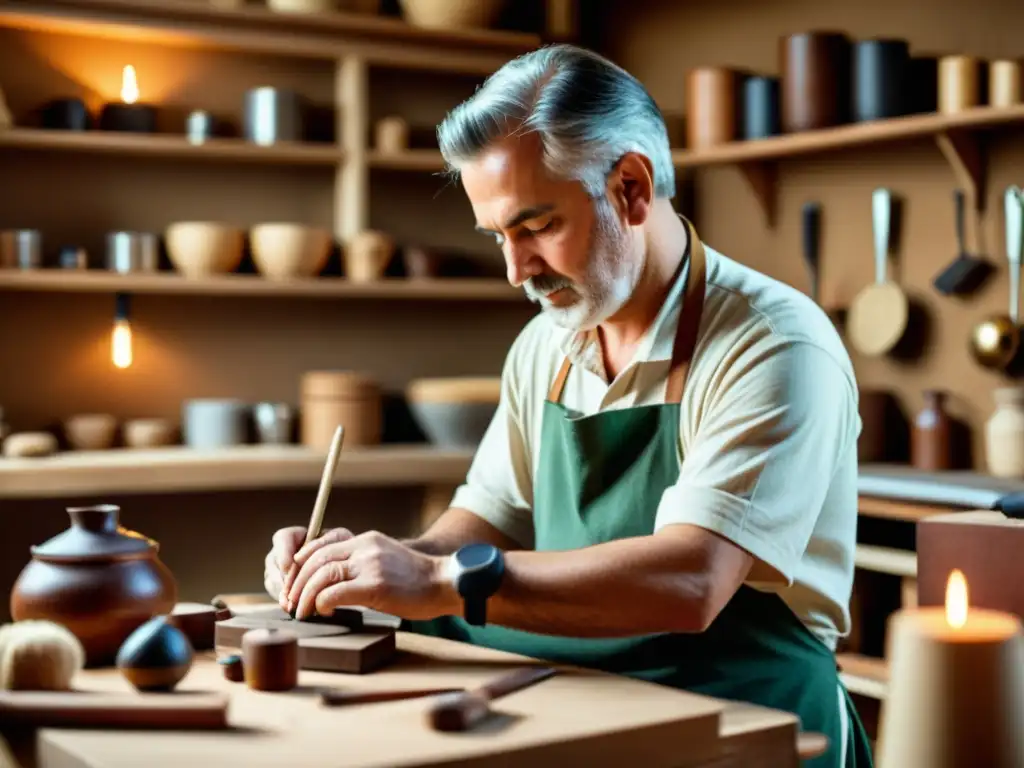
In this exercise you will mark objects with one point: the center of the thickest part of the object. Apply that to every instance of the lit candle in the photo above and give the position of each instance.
(121, 335)
(956, 686)
(129, 115)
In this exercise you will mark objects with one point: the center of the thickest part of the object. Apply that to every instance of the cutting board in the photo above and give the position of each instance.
(356, 642)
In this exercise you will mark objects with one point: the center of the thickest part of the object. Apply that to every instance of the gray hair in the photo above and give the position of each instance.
(587, 111)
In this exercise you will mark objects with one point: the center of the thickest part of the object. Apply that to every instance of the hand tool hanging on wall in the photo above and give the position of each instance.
(966, 273)
(812, 246)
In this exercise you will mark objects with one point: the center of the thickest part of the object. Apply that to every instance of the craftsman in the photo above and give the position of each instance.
(669, 486)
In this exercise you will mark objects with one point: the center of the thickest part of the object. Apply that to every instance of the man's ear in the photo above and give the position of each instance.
(631, 187)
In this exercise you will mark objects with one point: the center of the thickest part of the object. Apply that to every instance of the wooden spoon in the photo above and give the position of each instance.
(879, 313)
(995, 341)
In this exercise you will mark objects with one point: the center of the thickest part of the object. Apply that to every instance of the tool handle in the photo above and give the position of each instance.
(881, 215)
(812, 243)
(960, 205)
(343, 698)
(462, 711)
(514, 681)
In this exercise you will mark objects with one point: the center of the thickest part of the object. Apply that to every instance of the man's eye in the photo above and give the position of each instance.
(544, 228)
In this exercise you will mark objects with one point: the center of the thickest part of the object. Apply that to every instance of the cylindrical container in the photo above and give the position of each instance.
(761, 107)
(270, 659)
(1004, 433)
(199, 126)
(21, 249)
(955, 695)
(815, 70)
(132, 252)
(931, 439)
(273, 422)
(330, 398)
(209, 424)
(66, 115)
(711, 106)
(923, 85)
(392, 135)
(367, 255)
(959, 83)
(273, 115)
(880, 69)
(1004, 84)
(232, 668)
(73, 257)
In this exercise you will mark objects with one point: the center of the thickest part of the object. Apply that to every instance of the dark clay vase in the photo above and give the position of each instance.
(931, 439)
(98, 579)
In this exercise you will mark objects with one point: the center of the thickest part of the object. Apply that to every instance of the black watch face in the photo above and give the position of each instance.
(476, 555)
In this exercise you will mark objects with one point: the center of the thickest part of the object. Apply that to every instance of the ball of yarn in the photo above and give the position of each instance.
(38, 655)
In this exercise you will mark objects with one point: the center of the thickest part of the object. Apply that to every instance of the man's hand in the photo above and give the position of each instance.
(374, 571)
(285, 543)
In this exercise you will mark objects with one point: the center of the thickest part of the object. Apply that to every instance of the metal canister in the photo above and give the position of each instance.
(132, 252)
(273, 115)
(21, 249)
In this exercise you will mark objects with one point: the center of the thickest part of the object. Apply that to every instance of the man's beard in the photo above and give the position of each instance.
(612, 274)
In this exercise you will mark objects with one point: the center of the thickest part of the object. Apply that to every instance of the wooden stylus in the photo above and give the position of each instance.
(316, 520)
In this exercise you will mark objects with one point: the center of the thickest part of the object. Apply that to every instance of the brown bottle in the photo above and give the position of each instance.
(931, 443)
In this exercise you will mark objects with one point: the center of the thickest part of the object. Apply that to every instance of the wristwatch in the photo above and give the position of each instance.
(476, 571)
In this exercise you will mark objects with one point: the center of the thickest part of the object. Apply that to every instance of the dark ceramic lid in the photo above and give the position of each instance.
(95, 534)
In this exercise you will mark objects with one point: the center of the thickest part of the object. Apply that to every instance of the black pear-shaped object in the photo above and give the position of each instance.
(156, 656)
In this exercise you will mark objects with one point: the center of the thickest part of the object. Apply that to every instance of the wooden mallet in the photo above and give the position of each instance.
(316, 520)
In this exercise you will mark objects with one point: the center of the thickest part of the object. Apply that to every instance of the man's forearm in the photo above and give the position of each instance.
(660, 583)
(456, 528)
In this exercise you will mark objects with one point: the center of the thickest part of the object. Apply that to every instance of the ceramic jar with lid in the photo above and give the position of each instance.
(96, 578)
(1004, 433)
(348, 398)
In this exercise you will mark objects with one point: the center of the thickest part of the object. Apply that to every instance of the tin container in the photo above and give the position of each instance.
(273, 115)
(132, 252)
(21, 249)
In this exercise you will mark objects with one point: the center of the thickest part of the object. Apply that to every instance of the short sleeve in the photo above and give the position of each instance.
(764, 453)
(498, 486)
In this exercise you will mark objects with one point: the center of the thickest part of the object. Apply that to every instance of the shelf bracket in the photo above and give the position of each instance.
(965, 155)
(763, 180)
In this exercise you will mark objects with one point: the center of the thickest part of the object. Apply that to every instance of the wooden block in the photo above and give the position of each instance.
(326, 644)
(985, 546)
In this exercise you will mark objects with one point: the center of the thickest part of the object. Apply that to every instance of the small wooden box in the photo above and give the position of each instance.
(987, 547)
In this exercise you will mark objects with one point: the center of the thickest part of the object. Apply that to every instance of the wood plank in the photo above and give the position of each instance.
(177, 468)
(850, 136)
(864, 675)
(898, 562)
(869, 506)
(171, 147)
(101, 281)
(383, 41)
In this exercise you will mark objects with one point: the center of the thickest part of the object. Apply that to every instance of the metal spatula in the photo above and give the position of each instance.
(966, 273)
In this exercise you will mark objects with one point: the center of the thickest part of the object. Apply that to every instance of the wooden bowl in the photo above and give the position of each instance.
(148, 433)
(452, 14)
(23, 445)
(203, 248)
(454, 412)
(283, 251)
(90, 431)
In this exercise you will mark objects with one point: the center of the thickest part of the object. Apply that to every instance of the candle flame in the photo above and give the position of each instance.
(956, 599)
(129, 86)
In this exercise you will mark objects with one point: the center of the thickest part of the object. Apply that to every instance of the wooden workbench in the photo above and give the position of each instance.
(576, 718)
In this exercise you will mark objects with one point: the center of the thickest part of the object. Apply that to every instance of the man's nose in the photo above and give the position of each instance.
(521, 263)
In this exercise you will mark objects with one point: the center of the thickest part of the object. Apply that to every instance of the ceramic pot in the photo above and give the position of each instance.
(368, 255)
(454, 413)
(931, 440)
(96, 578)
(1004, 434)
(815, 80)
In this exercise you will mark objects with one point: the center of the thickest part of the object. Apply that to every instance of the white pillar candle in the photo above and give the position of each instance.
(956, 687)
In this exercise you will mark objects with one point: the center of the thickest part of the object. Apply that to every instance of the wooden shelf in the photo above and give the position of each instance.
(383, 41)
(864, 675)
(99, 281)
(169, 146)
(180, 469)
(429, 160)
(898, 562)
(957, 136)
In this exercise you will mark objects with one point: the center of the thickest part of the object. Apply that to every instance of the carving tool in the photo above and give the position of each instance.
(333, 698)
(463, 710)
(316, 520)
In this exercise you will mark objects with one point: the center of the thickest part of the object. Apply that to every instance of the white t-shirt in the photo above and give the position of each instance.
(768, 428)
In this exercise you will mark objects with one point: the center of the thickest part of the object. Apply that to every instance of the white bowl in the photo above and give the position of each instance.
(283, 251)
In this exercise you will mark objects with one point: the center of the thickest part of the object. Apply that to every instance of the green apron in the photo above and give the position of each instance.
(600, 478)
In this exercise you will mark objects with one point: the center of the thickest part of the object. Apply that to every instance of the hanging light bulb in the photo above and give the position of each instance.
(121, 336)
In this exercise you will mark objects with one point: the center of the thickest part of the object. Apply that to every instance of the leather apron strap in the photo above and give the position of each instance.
(687, 331)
